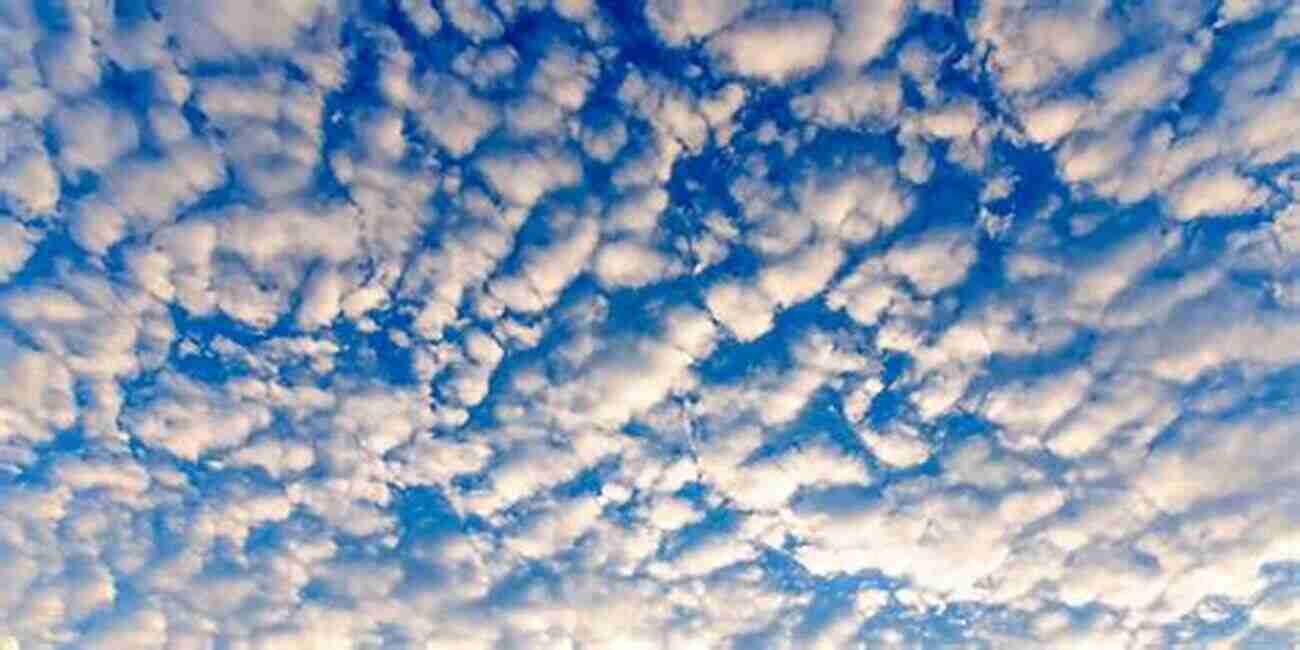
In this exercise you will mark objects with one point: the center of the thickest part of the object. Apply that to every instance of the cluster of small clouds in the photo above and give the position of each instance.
(475, 324)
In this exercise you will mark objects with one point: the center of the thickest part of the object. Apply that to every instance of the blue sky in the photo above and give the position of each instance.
(682, 324)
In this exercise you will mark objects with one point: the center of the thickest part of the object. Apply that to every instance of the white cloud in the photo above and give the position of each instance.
(556, 530)
(487, 66)
(320, 299)
(565, 77)
(244, 28)
(474, 18)
(248, 263)
(1140, 408)
(865, 294)
(745, 310)
(29, 185)
(956, 120)
(91, 136)
(1281, 611)
(896, 449)
(67, 58)
(775, 46)
(874, 291)
(547, 270)
(16, 246)
(1034, 47)
(1256, 442)
(630, 264)
(857, 206)
(422, 15)
(524, 177)
(381, 418)
(457, 119)
(1028, 409)
(1046, 123)
(1216, 193)
(771, 483)
(273, 130)
(37, 400)
(677, 21)
(935, 262)
(279, 458)
(867, 28)
(802, 275)
(638, 212)
(851, 100)
(141, 194)
(189, 420)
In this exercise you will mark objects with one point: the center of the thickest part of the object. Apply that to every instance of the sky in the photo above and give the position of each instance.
(649, 324)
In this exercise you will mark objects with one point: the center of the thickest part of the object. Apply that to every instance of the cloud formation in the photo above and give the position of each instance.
(456, 324)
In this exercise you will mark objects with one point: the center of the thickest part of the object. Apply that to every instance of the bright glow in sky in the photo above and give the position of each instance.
(649, 324)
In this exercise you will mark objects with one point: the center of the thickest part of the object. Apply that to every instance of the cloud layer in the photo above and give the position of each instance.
(525, 324)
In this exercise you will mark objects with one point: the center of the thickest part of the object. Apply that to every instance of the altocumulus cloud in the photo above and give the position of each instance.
(664, 324)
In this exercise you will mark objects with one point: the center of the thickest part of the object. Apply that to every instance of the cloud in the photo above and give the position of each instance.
(38, 400)
(91, 136)
(746, 311)
(843, 100)
(188, 420)
(142, 194)
(1033, 48)
(458, 120)
(896, 450)
(1216, 193)
(775, 47)
(524, 177)
(630, 264)
(16, 247)
(29, 185)
(475, 19)
(547, 270)
(866, 28)
(677, 21)
(216, 32)
(934, 263)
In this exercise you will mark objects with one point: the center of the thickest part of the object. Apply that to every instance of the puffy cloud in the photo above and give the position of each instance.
(802, 275)
(189, 420)
(29, 185)
(16, 246)
(457, 119)
(474, 18)
(524, 177)
(242, 29)
(91, 136)
(897, 450)
(423, 15)
(1048, 122)
(547, 270)
(630, 264)
(677, 21)
(775, 47)
(38, 399)
(1215, 193)
(746, 311)
(142, 194)
(934, 263)
(1033, 48)
(846, 100)
(866, 28)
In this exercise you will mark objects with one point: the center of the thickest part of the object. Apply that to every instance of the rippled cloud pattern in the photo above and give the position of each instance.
(649, 324)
